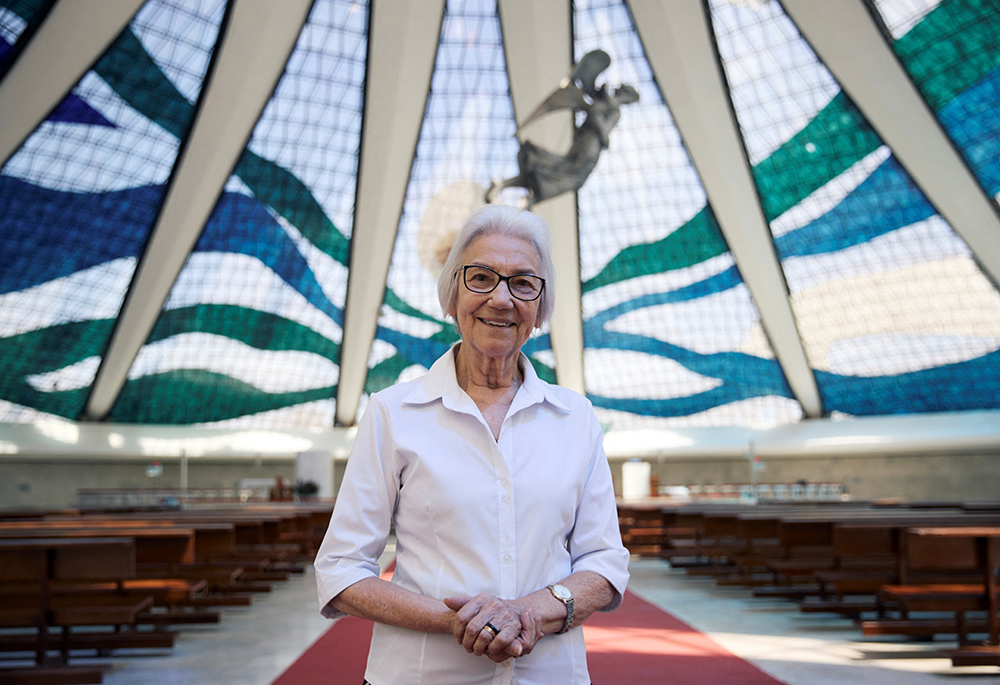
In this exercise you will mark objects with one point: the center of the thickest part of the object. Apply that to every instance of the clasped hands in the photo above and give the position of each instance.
(517, 628)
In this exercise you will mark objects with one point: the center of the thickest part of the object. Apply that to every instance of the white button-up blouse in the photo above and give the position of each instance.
(473, 514)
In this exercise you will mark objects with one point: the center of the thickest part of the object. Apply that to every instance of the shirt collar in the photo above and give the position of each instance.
(441, 382)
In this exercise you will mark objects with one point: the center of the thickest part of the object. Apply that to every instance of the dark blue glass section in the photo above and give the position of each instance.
(48, 234)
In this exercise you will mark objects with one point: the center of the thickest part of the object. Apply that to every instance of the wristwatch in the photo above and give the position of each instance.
(562, 593)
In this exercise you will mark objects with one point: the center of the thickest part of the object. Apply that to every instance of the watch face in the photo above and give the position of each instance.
(561, 592)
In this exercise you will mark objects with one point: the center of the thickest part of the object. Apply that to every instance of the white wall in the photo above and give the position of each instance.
(953, 456)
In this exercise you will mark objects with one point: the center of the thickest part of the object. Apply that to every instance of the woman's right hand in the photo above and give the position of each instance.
(531, 632)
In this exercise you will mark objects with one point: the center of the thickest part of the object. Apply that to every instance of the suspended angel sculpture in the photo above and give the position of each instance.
(546, 174)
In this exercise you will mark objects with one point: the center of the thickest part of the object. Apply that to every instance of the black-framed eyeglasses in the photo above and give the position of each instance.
(482, 279)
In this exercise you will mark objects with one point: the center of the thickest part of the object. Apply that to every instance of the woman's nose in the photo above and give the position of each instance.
(501, 293)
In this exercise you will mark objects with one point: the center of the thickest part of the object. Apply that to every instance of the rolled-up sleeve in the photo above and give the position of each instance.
(595, 543)
(362, 516)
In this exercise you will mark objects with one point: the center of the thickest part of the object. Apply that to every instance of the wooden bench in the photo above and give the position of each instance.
(158, 544)
(152, 544)
(268, 543)
(702, 535)
(223, 579)
(858, 557)
(711, 541)
(868, 557)
(950, 549)
(989, 654)
(782, 551)
(790, 542)
(809, 538)
(734, 543)
(642, 529)
(176, 557)
(29, 568)
(259, 536)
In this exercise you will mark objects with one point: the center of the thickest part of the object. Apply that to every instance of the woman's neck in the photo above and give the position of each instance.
(486, 373)
(491, 382)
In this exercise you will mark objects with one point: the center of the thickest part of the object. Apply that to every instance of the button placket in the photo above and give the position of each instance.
(507, 539)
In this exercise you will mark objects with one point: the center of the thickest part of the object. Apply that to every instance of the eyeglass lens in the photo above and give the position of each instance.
(480, 279)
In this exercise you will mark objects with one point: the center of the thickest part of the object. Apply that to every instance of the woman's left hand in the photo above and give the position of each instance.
(517, 630)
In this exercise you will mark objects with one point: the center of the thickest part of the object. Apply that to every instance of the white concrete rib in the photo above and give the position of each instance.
(679, 45)
(251, 56)
(402, 46)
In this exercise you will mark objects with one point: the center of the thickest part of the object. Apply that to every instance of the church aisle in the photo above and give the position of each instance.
(797, 648)
(250, 645)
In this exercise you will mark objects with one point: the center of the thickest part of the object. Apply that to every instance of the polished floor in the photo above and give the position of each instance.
(253, 645)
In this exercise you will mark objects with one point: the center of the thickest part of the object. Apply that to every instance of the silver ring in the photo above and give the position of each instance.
(492, 628)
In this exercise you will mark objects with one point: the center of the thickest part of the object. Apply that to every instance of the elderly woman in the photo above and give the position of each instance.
(495, 484)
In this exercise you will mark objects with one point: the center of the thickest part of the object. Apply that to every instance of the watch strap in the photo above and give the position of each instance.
(568, 623)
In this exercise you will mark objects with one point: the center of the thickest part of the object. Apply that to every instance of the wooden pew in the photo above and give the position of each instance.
(156, 544)
(810, 538)
(868, 557)
(184, 579)
(962, 551)
(718, 534)
(262, 544)
(642, 528)
(306, 527)
(273, 534)
(256, 547)
(28, 570)
(23, 514)
(271, 542)
(865, 555)
(678, 540)
(785, 542)
(736, 542)
(713, 541)
(183, 600)
(989, 654)
(167, 550)
(791, 564)
(855, 550)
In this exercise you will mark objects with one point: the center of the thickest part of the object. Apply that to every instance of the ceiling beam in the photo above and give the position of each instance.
(250, 58)
(402, 47)
(538, 45)
(679, 44)
(853, 48)
(72, 37)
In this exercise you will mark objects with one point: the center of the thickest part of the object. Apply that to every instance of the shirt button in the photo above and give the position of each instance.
(507, 558)
(504, 484)
(506, 499)
(507, 664)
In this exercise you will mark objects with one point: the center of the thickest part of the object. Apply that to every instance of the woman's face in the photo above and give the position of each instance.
(496, 324)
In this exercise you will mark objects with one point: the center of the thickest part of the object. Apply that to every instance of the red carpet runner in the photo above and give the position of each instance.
(637, 645)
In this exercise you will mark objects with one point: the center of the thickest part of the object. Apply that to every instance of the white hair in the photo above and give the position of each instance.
(500, 220)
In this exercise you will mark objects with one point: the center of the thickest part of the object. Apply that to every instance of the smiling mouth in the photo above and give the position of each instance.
(498, 324)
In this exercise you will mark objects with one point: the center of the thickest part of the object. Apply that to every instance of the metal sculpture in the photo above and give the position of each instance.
(546, 174)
